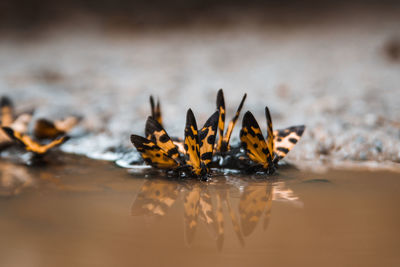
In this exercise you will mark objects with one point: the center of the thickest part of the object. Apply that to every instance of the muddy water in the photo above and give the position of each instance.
(90, 213)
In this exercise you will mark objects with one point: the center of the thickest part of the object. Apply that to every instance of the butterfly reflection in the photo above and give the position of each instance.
(244, 205)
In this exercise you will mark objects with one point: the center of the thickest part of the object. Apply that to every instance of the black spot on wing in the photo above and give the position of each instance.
(164, 138)
(9, 132)
(283, 149)
(293, 140)
(211, 139)
(203, 134)
(206, 156)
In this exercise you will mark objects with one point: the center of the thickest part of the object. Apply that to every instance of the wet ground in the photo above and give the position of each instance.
(79, 212)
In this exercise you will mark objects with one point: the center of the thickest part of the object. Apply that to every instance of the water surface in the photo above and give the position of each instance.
(91, 213)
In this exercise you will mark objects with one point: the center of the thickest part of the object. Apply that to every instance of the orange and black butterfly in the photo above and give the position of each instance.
(46, 129)
(157, 149)
(8, 119)
(267, 153)
(199, 146)
(223, 141)
(31, 145)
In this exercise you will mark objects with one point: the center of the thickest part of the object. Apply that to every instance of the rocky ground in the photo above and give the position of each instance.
(339, 77)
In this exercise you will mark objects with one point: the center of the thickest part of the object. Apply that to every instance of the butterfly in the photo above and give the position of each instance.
(18, 123)
(156, 115)
(157, 149)
(46, 129)
(160, 152)
(267, 152)
(30, 145)
(223, 141)
(199, 146)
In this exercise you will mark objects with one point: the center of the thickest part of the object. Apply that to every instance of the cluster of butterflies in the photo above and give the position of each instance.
(46, 134)
(200, 151)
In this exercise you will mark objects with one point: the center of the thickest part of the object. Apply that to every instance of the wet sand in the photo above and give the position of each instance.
(91, 213)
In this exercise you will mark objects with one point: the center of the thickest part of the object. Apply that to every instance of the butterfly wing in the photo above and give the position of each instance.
(159, 136)
(253, 141)
(45, 129)
(67, 123)
(286, 139)
(191, 212)
(270, 132)
(21, 123)
(207, 138)
(152, 154)
(155, 110)
(225, 142)
(7, 111)
(192, 143)
(252, 204)
(155, 198)
(31, 145)
(221, 120)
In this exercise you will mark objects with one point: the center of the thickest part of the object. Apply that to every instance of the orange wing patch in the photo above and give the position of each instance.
(7, 112)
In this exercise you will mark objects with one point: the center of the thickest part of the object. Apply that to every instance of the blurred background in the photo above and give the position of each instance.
(331, 65)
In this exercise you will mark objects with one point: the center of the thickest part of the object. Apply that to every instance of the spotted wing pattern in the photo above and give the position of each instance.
(252, 204)
(152, 154)
(221, 120)
(192, 143)
(207, 138)
(159, 136)
(191, 212)
(226, 138)
(155, 197)
(31, 145)
(286, 139)
(253, 141)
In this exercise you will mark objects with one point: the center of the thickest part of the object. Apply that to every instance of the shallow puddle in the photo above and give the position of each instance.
(91, 213)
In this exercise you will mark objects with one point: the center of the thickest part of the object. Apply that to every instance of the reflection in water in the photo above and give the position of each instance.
(206, 203)
(13, 179)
